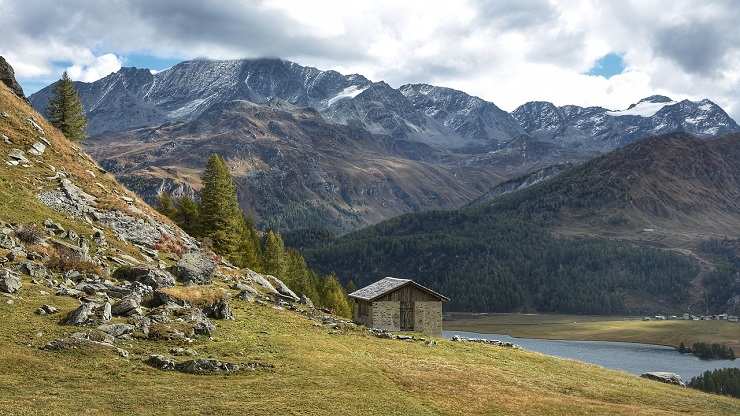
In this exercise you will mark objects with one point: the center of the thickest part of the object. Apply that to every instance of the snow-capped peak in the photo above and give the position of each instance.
(642, 109)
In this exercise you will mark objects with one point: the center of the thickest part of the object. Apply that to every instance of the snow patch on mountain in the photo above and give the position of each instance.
(642, 109)
(350, 92)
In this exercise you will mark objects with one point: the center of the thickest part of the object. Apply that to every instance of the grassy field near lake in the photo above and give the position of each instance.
(598, 328)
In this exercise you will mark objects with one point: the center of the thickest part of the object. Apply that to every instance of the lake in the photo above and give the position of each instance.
(631, 357)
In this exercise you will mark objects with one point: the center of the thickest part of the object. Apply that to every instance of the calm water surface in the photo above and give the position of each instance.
(626, 356)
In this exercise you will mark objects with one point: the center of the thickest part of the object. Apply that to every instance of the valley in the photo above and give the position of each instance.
(599, 328)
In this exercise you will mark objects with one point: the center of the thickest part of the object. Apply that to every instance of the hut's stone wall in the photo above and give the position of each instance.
(428, 318)
(386, 315)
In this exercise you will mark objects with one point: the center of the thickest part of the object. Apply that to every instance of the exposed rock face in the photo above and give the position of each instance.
(219, 310)
(7, 76)
(195, 268)
(665, 377)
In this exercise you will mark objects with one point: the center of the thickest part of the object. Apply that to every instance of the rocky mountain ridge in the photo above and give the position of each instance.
(350, 151)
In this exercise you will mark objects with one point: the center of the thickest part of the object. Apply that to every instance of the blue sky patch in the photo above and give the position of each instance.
(608, 65)
(149, 62)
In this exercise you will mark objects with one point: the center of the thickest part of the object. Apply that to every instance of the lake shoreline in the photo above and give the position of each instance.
(629, 329)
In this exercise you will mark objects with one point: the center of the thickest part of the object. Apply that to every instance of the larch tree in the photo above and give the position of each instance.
(65, 110)
(221, 219)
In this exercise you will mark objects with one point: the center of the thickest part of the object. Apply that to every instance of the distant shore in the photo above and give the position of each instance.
(597, 328)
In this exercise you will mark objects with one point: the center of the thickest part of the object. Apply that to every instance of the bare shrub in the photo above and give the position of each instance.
(67, 260)
(29, 233)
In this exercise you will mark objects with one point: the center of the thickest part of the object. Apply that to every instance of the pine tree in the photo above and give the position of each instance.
(221, 219)
(166, 206)
(188, 216)
(274, 254)
(65, 110)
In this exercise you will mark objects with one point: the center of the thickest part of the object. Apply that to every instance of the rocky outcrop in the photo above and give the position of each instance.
(665, 377)
(7, 76)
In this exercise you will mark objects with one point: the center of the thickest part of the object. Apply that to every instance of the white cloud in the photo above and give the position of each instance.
(506, 51)
(95, 69)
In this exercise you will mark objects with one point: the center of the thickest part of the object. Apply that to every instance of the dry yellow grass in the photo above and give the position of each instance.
(200, 296)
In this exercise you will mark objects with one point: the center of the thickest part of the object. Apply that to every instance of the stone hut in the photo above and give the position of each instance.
(398, 305)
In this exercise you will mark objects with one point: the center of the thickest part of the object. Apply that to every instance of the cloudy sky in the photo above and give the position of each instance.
(585, 52)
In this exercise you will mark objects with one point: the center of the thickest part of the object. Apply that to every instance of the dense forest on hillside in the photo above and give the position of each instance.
(502, 263)
(504, 256)
(722, 285)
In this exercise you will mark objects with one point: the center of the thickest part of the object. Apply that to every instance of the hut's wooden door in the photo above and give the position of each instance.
(407, 316)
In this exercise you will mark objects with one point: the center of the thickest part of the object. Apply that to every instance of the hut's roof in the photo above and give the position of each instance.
(387, 285)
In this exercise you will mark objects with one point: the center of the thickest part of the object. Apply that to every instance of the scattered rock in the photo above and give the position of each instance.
(129, 305)
(305, 300)
(7, 241)
(81, 315)
(282, 288)
(457, 338)
(195, 268)
(46, 310)
(150, 276)
(117, 330)
(161, 362)
(106, 314)
(36, 126)
(10, 282)
(665, 377)
(19, 156)
(219, 310)
(207, 366)
(34, 269)
(37, 149)
(6, 139)
(53, 227)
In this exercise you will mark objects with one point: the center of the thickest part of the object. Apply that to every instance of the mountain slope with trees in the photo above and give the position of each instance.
(555, 246)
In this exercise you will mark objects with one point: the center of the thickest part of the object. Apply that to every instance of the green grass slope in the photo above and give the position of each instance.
(316, 372)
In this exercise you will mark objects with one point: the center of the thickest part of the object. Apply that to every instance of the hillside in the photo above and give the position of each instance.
(568, 244)
(100, 316)
(293, 168)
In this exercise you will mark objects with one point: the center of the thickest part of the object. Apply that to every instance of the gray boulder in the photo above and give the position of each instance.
(161, 362)
(195, 268)
(117, 330)
(10, 282)
(665, 377)
(7, 241)
(46, 310)
(219, 310)
(127, 306)
(34, 269)
(282, 288)
(81, 315)
(150, 276)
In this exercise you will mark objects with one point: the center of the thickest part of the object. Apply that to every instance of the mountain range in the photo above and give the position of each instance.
(318, 148)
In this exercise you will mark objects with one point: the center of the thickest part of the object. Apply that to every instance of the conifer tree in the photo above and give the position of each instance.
(166, 206)
(221, 219)
(65, 110)
(299, 277)
(274, 254)
(188, 216)
(334, 297)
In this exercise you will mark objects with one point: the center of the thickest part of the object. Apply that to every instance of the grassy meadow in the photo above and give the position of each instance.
(316, 372)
